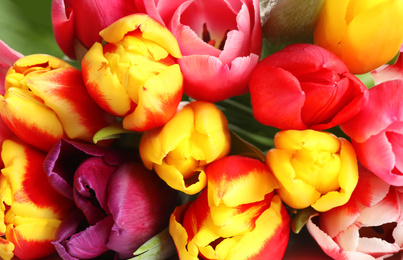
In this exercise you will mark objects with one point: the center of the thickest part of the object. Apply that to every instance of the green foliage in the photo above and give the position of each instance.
(25, 26)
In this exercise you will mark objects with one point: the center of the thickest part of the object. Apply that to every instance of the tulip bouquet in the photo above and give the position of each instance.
(193, 129)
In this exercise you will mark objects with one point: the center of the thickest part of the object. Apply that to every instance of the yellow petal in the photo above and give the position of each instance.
(102, 84)
(151, 30)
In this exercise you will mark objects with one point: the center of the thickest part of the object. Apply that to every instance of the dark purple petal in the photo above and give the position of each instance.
(141, 204)
(90, 242)
(90, 184)
(66, 229)
(65, 157)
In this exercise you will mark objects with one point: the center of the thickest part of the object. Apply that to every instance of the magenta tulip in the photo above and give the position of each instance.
(220, 43)
(77, 23)
(376, 132)
(305, 86)
(369, 226)
(120, 204)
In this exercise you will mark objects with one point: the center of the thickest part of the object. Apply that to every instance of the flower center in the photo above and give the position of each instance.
(384, 232)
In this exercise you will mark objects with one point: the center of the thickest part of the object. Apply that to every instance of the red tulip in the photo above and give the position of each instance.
(305, 86)
(78, 22)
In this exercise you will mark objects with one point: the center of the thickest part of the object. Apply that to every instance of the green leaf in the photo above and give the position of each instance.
(243, 148)
(159, 247)
(111, 132)
(238, 111)
(299, 220)
(367, 79)
(26, 27)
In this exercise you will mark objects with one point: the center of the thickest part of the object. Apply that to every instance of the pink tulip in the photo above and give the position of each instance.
(220, 43)
(376, 132)
(78, 22)
(389, 72)
(369, 226)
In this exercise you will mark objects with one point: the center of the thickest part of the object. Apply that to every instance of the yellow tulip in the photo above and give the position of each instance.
(135, 75)
(313, 169)
(179, 151)
(365, 34)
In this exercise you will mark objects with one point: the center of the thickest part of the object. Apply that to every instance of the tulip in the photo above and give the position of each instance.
(77, 23)
(365, 34)
(376, 132)
(135, 75)
(220, 43)
(180, 150)
(307, 87)
(7, 58)
(369, 226)
(313, 169)
(31, 211)
(389, 72)
(46, 100)
(238, 216)
(120, 204)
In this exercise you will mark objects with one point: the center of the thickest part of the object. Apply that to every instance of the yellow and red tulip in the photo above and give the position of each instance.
(365, 34)
(135, 75)
(179, 151)
(45, 99)
(313, 169)
(31, 210)
(238, 216)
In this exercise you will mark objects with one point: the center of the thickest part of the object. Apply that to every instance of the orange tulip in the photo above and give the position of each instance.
(365, 34)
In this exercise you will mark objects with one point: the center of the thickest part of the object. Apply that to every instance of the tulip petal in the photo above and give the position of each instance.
(229, 180)
(158, 100)
(389, 72)
(355, 48)
(63, 27)
(151, 30)
(265, 98)
(7, 58)
(372, 121)
(348, 178)
(90, 183)
(150, 200)
(91, 242)
(40, 131)
(64, 92)
(376, 155)
(294, 192)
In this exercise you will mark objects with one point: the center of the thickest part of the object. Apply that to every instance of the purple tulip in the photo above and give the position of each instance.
(120, 204)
